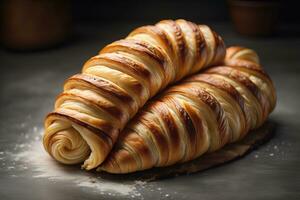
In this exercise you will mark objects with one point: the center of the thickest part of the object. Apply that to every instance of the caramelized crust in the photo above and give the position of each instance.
(114, 85)
(202, 114)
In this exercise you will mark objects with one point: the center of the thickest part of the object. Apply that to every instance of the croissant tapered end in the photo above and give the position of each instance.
(241, 53)
(237, 56)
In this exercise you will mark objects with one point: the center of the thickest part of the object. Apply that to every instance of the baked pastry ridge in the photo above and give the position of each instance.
(200, 115)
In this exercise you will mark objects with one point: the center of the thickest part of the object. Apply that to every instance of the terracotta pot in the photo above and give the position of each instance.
(254, 17)
(34, 24)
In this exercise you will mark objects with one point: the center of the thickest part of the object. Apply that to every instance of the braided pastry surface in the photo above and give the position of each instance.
(96, 105)
(199, 115)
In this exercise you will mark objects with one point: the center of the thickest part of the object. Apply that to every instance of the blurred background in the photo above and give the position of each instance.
(38, 24)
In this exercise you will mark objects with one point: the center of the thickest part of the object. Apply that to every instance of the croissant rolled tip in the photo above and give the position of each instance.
(87, 167)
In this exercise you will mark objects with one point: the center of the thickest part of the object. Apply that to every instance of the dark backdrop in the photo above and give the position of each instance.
(154, 10)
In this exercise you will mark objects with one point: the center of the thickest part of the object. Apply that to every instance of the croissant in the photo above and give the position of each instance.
(96, 105)
(200, 115)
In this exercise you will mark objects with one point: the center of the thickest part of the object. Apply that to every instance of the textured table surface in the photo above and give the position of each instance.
(29, 83)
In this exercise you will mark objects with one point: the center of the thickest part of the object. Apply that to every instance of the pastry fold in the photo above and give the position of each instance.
(199, 115)
(114, 85)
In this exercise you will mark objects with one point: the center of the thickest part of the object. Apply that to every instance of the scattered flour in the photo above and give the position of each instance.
(31, 155)
(277, 150)
(23, 125)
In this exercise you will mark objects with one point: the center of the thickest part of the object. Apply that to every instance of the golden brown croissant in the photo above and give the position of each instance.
(97, 104)
(199, 115)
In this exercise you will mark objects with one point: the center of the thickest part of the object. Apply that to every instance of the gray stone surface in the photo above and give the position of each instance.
(29, 83)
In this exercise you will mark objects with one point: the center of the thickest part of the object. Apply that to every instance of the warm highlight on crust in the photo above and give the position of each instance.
(113, 86)
(208, 110)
